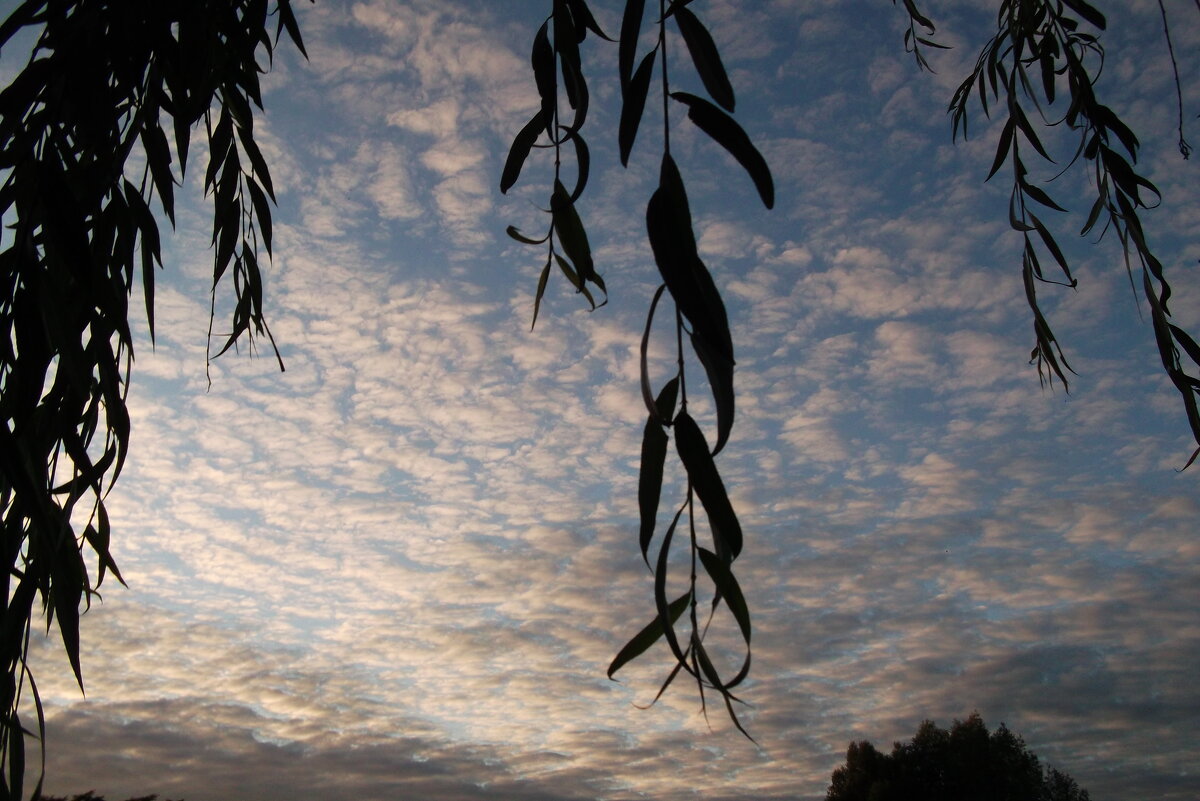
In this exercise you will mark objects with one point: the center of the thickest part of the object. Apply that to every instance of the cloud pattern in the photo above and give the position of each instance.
(400, 568)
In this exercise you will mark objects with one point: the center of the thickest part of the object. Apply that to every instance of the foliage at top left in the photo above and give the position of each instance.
(94, 137)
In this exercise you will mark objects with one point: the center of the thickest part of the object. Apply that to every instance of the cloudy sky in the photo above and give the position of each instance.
(400, 568)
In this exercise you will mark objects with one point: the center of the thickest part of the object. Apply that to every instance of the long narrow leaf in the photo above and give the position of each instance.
(729, 135)
(631, 28)
(669, 224)
(718, 570)
(650, 474)
(647, 393)
(519, 151)
(702, 472)
(706, 58)
(718, 366)
(633, 105)
(660, 590)
(649, 635)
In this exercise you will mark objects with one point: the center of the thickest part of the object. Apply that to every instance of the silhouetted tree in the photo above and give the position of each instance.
(965, 763)
(90, 795)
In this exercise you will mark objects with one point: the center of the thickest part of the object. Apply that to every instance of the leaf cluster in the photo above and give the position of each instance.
(92, 133)
(559, 75)
(1040, 48)
(700, 318)
(700, 311)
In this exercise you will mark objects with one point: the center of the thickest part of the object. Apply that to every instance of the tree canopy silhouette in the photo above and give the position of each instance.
(95, 133)
(965, 763)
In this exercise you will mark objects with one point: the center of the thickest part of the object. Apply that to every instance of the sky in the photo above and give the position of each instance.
(400, 568)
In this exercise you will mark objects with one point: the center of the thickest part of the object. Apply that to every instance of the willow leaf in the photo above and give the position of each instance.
(633, 105)
(729, 135)
(705, 56)
(631, 28)
(702, 472)
(522, 144)
(648, 635)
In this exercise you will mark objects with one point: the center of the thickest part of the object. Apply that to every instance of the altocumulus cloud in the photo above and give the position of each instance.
(400, 568)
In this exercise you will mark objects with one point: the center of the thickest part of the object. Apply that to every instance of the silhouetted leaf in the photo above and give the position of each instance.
(633, 105)
(287, 19)
(585, 21)
(718, 366)
(1094, 214)
(654, 451)
(648, 635)
(669, 223)
(262, 211)
(519, 151)
(660, 588)
(583, 161)
(1039, 195)
(98, 537)
(545, 75)
(1088, 12)
(259, 165)
(513, 232)
(566, 45)
(917, 16)
(575, 279)
(729, 135)
(1052, 246)
(706, 58)
(1103, 117)
(228, 230)
(158, 157)
(702, 472)
(728, 588)
(16, 756)
(631, 28)
(1002, 147)
(571, 233)
(710, 672)
(66, 594)
(541, 290)
(647, 393)
(1018, 116)
(1187, 343)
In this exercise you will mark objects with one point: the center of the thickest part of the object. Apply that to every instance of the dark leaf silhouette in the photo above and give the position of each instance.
(729, 135)
(705, 56)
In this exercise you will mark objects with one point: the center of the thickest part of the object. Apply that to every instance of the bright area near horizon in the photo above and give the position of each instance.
(400, 568)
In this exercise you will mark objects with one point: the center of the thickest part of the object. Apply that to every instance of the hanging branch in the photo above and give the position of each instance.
(700, 319)
(556, 55)
(96, 88)
(1051, 39)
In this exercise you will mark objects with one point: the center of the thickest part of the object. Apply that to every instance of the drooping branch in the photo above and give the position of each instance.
(1058, 41)
(99, 82)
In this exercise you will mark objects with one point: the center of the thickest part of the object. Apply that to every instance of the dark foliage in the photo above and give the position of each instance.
(699, 317)
(94, 136)
(109, 85)
(965, 763)
(90, 795)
